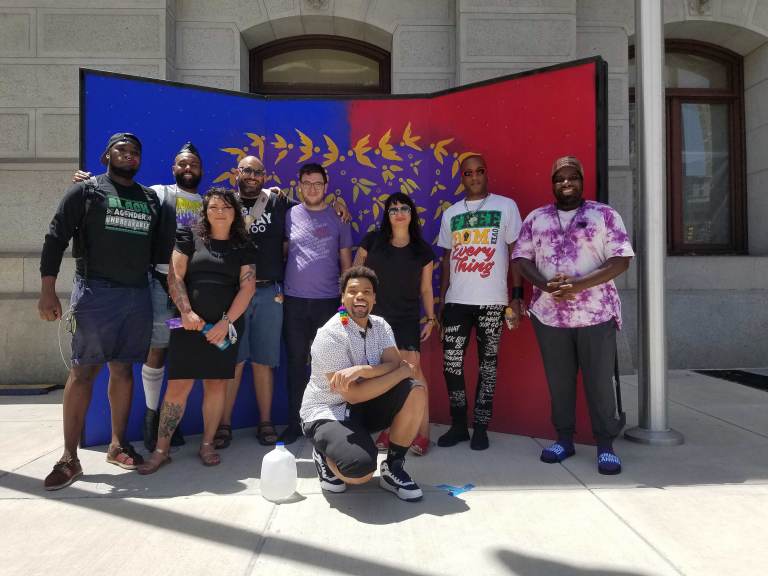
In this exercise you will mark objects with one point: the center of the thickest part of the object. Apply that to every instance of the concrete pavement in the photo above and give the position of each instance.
(696, 509)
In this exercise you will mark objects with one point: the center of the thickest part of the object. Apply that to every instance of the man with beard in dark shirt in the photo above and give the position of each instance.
(264, 211)
(116, 225)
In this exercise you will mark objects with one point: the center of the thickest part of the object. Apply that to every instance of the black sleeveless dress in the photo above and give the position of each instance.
(212, 281)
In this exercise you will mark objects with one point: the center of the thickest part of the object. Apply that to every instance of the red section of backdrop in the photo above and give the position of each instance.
(521, 126)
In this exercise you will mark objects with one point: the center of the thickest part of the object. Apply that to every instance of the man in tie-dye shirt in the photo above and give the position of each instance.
(571, 251)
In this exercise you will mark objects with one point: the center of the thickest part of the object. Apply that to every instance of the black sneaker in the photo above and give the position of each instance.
(396, 480)
(456, 433)
(151, 421)
(328, 480)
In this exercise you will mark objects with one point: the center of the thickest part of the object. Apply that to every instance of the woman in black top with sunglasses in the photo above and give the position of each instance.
(403, 262)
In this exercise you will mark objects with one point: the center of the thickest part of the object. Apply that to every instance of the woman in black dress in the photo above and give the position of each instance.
(211, 279)
(403, 262)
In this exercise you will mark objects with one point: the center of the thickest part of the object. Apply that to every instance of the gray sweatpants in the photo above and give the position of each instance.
(593, 349)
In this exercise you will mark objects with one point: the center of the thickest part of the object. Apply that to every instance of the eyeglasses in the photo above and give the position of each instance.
(220, 209)
(394, 210)
(248, 171)
(562, 180)
(317, 186)
(479, 172)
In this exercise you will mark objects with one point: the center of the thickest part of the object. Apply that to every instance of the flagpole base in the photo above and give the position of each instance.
(667, 437)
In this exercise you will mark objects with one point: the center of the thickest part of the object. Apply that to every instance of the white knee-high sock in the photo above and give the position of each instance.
(153, 381)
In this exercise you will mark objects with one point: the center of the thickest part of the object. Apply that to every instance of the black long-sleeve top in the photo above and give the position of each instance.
(122, 232)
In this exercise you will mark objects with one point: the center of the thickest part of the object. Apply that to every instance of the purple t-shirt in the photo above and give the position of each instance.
(314, 241)
(593, 234)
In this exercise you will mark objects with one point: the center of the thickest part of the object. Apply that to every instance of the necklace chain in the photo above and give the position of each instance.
(473, 213)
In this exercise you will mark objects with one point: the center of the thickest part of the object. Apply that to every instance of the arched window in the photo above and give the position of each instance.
(704, 91)
(319, 65)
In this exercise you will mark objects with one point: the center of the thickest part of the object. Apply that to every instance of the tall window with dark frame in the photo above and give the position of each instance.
(319, 65)
(704, 90)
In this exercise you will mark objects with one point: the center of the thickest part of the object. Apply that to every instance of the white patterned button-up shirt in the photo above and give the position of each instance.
(337, 347)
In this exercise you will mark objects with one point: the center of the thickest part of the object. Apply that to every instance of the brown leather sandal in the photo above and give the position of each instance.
(153, 464)
(208, 455)
(266, 433)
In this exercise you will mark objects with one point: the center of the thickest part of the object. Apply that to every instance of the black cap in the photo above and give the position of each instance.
(120, 137)
(189, 148)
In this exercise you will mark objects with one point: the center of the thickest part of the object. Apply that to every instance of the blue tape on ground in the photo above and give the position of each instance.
(455, 490)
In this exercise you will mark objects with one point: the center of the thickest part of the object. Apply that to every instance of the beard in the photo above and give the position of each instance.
(124, 172)
(246, 192)
(189, 181)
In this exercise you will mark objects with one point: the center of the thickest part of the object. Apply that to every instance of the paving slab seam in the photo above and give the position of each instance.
(719, 419)
(256, 554)
(6, 472)
(631, 528)
(637, 533)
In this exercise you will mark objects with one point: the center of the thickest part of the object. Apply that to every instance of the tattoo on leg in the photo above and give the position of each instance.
(170, 416)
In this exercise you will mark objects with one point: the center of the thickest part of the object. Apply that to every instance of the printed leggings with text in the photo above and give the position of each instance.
(458, 321)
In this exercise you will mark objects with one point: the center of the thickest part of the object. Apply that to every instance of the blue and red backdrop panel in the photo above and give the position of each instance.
(371, 148)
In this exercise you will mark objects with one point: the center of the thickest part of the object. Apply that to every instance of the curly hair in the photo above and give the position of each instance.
(237, 233)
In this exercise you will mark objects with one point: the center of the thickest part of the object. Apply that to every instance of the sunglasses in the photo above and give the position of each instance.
(393, 211)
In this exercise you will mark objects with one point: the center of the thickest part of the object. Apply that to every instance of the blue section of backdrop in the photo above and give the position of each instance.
(164, 117)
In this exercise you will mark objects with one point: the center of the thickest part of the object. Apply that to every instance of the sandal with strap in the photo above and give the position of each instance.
(154, 464)
(382, 441)
(207, 454)
(266, 433)
(124, 456)
(223, 437)
(420, 445)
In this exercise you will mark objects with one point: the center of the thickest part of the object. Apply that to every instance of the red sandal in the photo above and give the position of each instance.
(420, 445)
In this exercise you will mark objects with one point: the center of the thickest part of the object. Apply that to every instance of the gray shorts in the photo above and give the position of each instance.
(162, 310)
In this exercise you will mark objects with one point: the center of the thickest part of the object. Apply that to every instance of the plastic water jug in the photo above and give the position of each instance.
(278, 474)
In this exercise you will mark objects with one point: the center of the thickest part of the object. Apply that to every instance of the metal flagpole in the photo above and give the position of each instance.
(652, 368)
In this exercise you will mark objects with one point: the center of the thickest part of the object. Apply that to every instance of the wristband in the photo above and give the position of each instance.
(517, 293)
(431, 319)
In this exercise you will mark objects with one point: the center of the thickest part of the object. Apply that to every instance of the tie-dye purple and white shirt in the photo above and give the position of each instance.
(575, 248)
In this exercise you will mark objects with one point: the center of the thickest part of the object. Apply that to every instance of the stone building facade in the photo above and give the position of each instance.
(717, 302)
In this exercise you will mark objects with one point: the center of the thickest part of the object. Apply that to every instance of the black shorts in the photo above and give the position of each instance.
(349, 443)
(407, 334)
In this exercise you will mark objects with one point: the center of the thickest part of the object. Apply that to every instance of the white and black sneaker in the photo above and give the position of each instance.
(328, 480)
(396, 480)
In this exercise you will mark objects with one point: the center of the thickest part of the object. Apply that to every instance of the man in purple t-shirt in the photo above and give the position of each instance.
(571, 251)
(318, 251)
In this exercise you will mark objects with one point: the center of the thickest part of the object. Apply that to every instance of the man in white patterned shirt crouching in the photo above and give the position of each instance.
(359, 385)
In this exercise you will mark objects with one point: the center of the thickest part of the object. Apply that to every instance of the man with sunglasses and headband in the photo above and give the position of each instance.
(478, 233)
(265, 212)
(571, 251)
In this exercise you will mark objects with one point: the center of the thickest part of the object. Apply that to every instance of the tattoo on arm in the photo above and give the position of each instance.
(249, 274)
(178, 291)
(170, 416)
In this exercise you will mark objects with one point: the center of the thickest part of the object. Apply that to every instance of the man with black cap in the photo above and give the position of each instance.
(181, 204)
(117, 230)
(571, 251)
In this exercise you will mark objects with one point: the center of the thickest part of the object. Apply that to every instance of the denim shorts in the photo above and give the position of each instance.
(162, 310)
(112, 322)
(260, 341)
